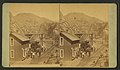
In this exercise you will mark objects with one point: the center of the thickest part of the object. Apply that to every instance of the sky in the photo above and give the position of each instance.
(51, 11)
(99, 11)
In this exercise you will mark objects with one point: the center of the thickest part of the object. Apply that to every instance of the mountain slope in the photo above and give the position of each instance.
(82, 23)
(30, 23)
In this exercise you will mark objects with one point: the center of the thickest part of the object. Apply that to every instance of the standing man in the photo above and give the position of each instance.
(57, 56)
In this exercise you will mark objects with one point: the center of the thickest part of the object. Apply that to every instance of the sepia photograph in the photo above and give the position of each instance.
(59, 35)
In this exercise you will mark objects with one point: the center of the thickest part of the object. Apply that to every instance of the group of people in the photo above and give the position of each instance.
(85, 49)
(34, 49)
